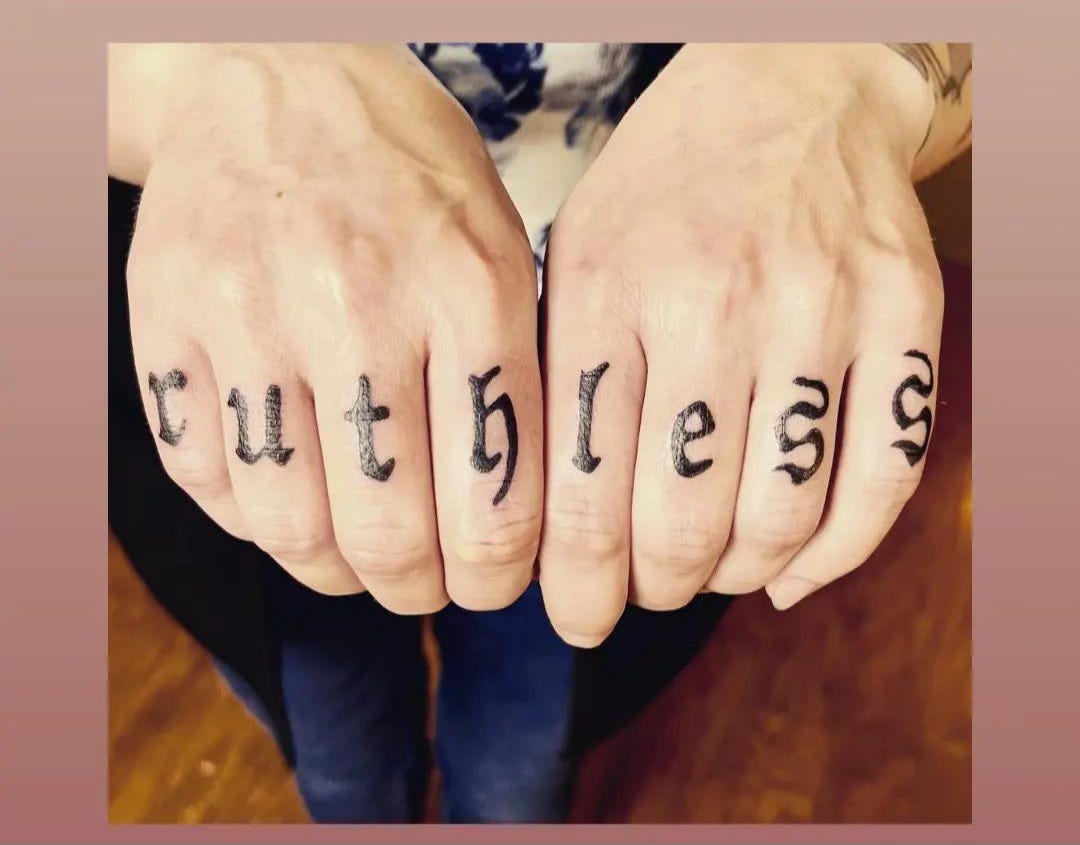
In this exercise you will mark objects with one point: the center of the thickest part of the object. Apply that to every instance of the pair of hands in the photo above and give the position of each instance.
(333, 309)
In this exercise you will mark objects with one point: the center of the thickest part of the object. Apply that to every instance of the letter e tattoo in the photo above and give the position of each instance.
(914, 451)
(364, 415)
(172, 380)
(680, 436)
(583, 459)
(481, 460)
(814, 437)
(272, 448)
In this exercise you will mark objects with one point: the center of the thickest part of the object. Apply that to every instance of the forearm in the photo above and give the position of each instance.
(946, 69)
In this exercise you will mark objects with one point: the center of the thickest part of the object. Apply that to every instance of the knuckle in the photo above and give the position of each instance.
(572, 248)
(815, 307)
(928, 301)
(889, 485)
(327, 581)
(386, 551)
(500, 272)
(684, 544)
(500, 539)
(780, 529)
(286, 537)
(236, 293)
(576, 528)
(197, 472)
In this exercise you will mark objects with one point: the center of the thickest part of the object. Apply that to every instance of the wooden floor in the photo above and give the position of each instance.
(854, 706)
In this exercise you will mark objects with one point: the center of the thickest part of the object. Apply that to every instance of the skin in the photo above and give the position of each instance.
(325, 252)
(333, 312)
(749, 231)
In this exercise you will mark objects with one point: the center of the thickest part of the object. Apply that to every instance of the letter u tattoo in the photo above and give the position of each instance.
(583, 459)
(172, 380)
(800, 474)
(272, 448)
(364, 415)
(481, 460)
(914, 451)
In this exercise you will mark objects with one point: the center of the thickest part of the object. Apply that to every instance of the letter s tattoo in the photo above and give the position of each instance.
(814, 437)
(680, 436)
(364, 415)
(914, 451)
(481, 460)
(583, 459)
(272, 448)
(172, 380)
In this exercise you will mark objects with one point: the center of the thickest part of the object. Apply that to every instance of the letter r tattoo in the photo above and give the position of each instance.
(172, 380)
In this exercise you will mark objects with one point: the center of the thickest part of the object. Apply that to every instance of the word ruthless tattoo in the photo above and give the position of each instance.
(814, 437)
(481, 460)
(272, 446)
(364, 415)
(914, 451)
(172, 380)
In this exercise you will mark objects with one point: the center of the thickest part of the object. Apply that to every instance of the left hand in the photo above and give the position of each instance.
(746, 255)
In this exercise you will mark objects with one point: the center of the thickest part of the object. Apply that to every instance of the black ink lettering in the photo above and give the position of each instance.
(364, 415)
(814, 437)
(914, 451)
(680, 436)
(481, 460)
(583, 458)
(172, 380)
(272, 448)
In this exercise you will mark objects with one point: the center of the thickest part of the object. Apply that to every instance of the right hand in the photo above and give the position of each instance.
(322, 232)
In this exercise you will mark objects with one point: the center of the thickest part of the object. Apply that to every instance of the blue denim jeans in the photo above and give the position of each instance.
(515, 705)
(355, 690)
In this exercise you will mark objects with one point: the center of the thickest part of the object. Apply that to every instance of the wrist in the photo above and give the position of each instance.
(231, 97)
(867, 82)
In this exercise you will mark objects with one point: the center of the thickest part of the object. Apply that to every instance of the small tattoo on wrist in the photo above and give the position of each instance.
(681, 435)
(364, 415)
(172, 380)
(814, 437)
(272, 448)
(481, 460)
(583, 459)
(914, 451)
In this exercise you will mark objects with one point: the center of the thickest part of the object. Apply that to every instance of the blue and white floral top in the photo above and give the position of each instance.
(544, 110)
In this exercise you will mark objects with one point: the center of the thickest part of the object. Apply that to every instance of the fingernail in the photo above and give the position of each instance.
(791, 590)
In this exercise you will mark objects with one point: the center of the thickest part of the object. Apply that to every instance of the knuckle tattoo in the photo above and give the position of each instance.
(272, 446)
(583, 459)
(363, 415)
(582, 527)
(681, 436)
(482, 461)
(173, 380)
(801, 474)
(914, 451)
